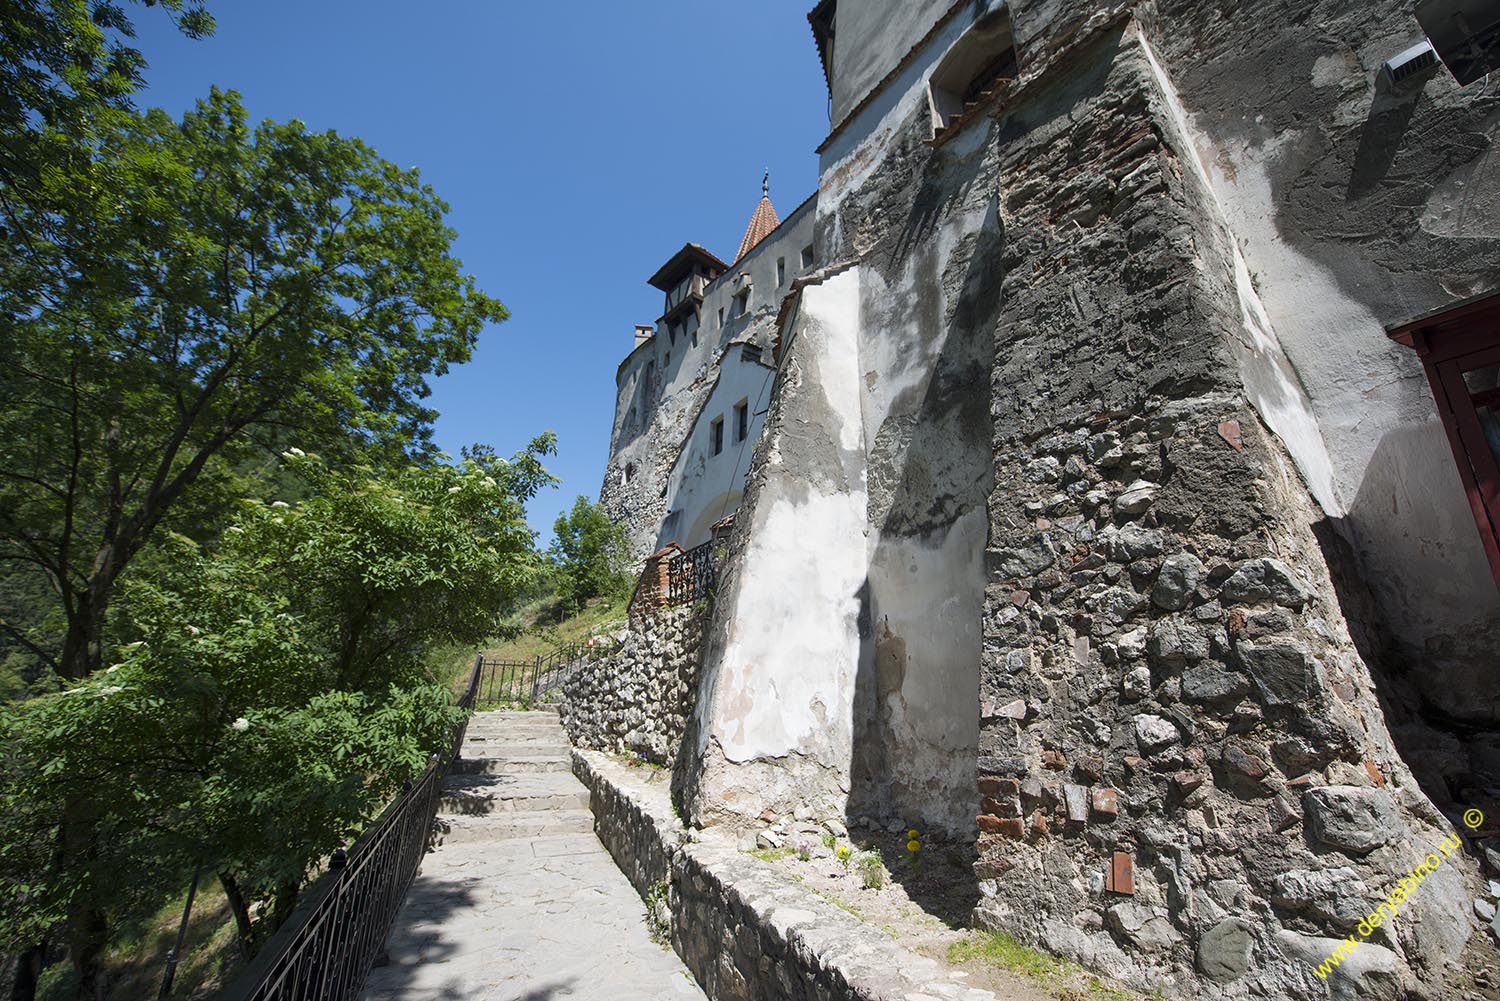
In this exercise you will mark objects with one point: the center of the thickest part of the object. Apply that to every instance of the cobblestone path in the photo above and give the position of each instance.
(521, 902)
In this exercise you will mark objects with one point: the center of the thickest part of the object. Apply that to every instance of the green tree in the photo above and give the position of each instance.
(591, 554)
(200, 290)
(272, 697)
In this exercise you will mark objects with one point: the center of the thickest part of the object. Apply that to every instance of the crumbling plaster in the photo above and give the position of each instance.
(1355, 207)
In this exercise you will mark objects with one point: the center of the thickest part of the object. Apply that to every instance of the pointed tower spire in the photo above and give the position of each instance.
(762, 221)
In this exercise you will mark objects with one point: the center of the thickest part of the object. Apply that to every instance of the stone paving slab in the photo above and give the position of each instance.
(525, 907)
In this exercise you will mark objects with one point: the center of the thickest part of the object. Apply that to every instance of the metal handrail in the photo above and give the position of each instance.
(327, 947)
(532, 681)
(690, 577)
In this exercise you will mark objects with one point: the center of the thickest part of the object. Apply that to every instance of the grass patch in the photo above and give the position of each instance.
(994, 948)
(773, 854)
(1067, 981)
(136, 958)
(539, 633)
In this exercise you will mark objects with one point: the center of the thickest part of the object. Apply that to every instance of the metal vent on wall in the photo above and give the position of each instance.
(1418, 60)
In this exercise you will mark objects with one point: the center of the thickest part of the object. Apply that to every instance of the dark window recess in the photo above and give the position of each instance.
(807, 256)
(1002, 67)
(629, 471)
(741, 303)
(750, 353)
(976, 65)
(741, 421)
(780, 271)
(1460, 349)
(718, 435)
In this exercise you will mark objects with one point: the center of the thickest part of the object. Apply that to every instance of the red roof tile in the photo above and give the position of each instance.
(762, 223)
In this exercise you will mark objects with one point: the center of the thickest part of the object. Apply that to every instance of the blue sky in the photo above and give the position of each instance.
(578, 145)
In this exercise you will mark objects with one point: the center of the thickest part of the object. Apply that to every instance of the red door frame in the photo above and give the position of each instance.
(1450, 342)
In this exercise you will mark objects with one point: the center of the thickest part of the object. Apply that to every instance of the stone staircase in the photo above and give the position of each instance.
(513, 779)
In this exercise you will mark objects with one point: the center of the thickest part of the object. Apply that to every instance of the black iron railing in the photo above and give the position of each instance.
(690, 576)
(326, 949)
(534, 681)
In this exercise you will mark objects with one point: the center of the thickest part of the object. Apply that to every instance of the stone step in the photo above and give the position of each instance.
(516, 714)
(515, 763)
(463, 829)
(487, 744)
(487, 794)
(518, 729)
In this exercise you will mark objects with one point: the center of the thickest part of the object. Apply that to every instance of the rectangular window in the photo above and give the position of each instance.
(780, 271)
(741, 303)
(721, 316)
(741, 420)
(807, 256)
(718, 435)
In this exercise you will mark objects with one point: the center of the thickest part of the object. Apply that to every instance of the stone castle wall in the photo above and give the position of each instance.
(637, 699)
(1185, 767)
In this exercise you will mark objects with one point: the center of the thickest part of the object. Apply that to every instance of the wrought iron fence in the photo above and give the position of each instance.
(326, 949)
(690, 576)
(532, 681)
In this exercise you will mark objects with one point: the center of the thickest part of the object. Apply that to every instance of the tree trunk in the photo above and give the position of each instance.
(241, 910)
(28, 971)
(88, 926)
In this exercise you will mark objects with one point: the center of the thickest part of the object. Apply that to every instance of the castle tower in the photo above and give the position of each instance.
(763, 221)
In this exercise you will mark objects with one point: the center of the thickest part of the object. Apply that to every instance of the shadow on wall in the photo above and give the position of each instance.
(931, 470)
(1436, 683)
(1381, 138)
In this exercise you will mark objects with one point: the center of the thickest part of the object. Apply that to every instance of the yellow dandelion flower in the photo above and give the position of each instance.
(912, 835)
(913, 845)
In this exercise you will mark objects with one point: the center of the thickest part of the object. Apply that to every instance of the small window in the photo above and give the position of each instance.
(717, 430)
(741, 303)
(695, 337)
(741, 420)
(721, 316)
(780, 271)
(666, 361)
(629, 471)
(750, 354)
(807, 256)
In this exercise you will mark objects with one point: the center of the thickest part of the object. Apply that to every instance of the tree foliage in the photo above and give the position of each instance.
(590, 552)
(198, 290)
(272, 693)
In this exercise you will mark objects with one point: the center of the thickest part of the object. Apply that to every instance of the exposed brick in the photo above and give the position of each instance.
(1186, 782)
(988, 824)
(1120, 877)
(1376, 775)
(1009, 806)
(1054, 759)
(1077, 799)
(1230, 432)
(1038, 824)
(989, 785)
(1106, 801)
(1090, 767)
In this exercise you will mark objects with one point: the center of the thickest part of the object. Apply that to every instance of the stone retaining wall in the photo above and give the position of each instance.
(638, 699)
(747, 930)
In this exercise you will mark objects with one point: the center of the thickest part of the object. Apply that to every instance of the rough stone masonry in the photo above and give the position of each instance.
(1091, 510)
